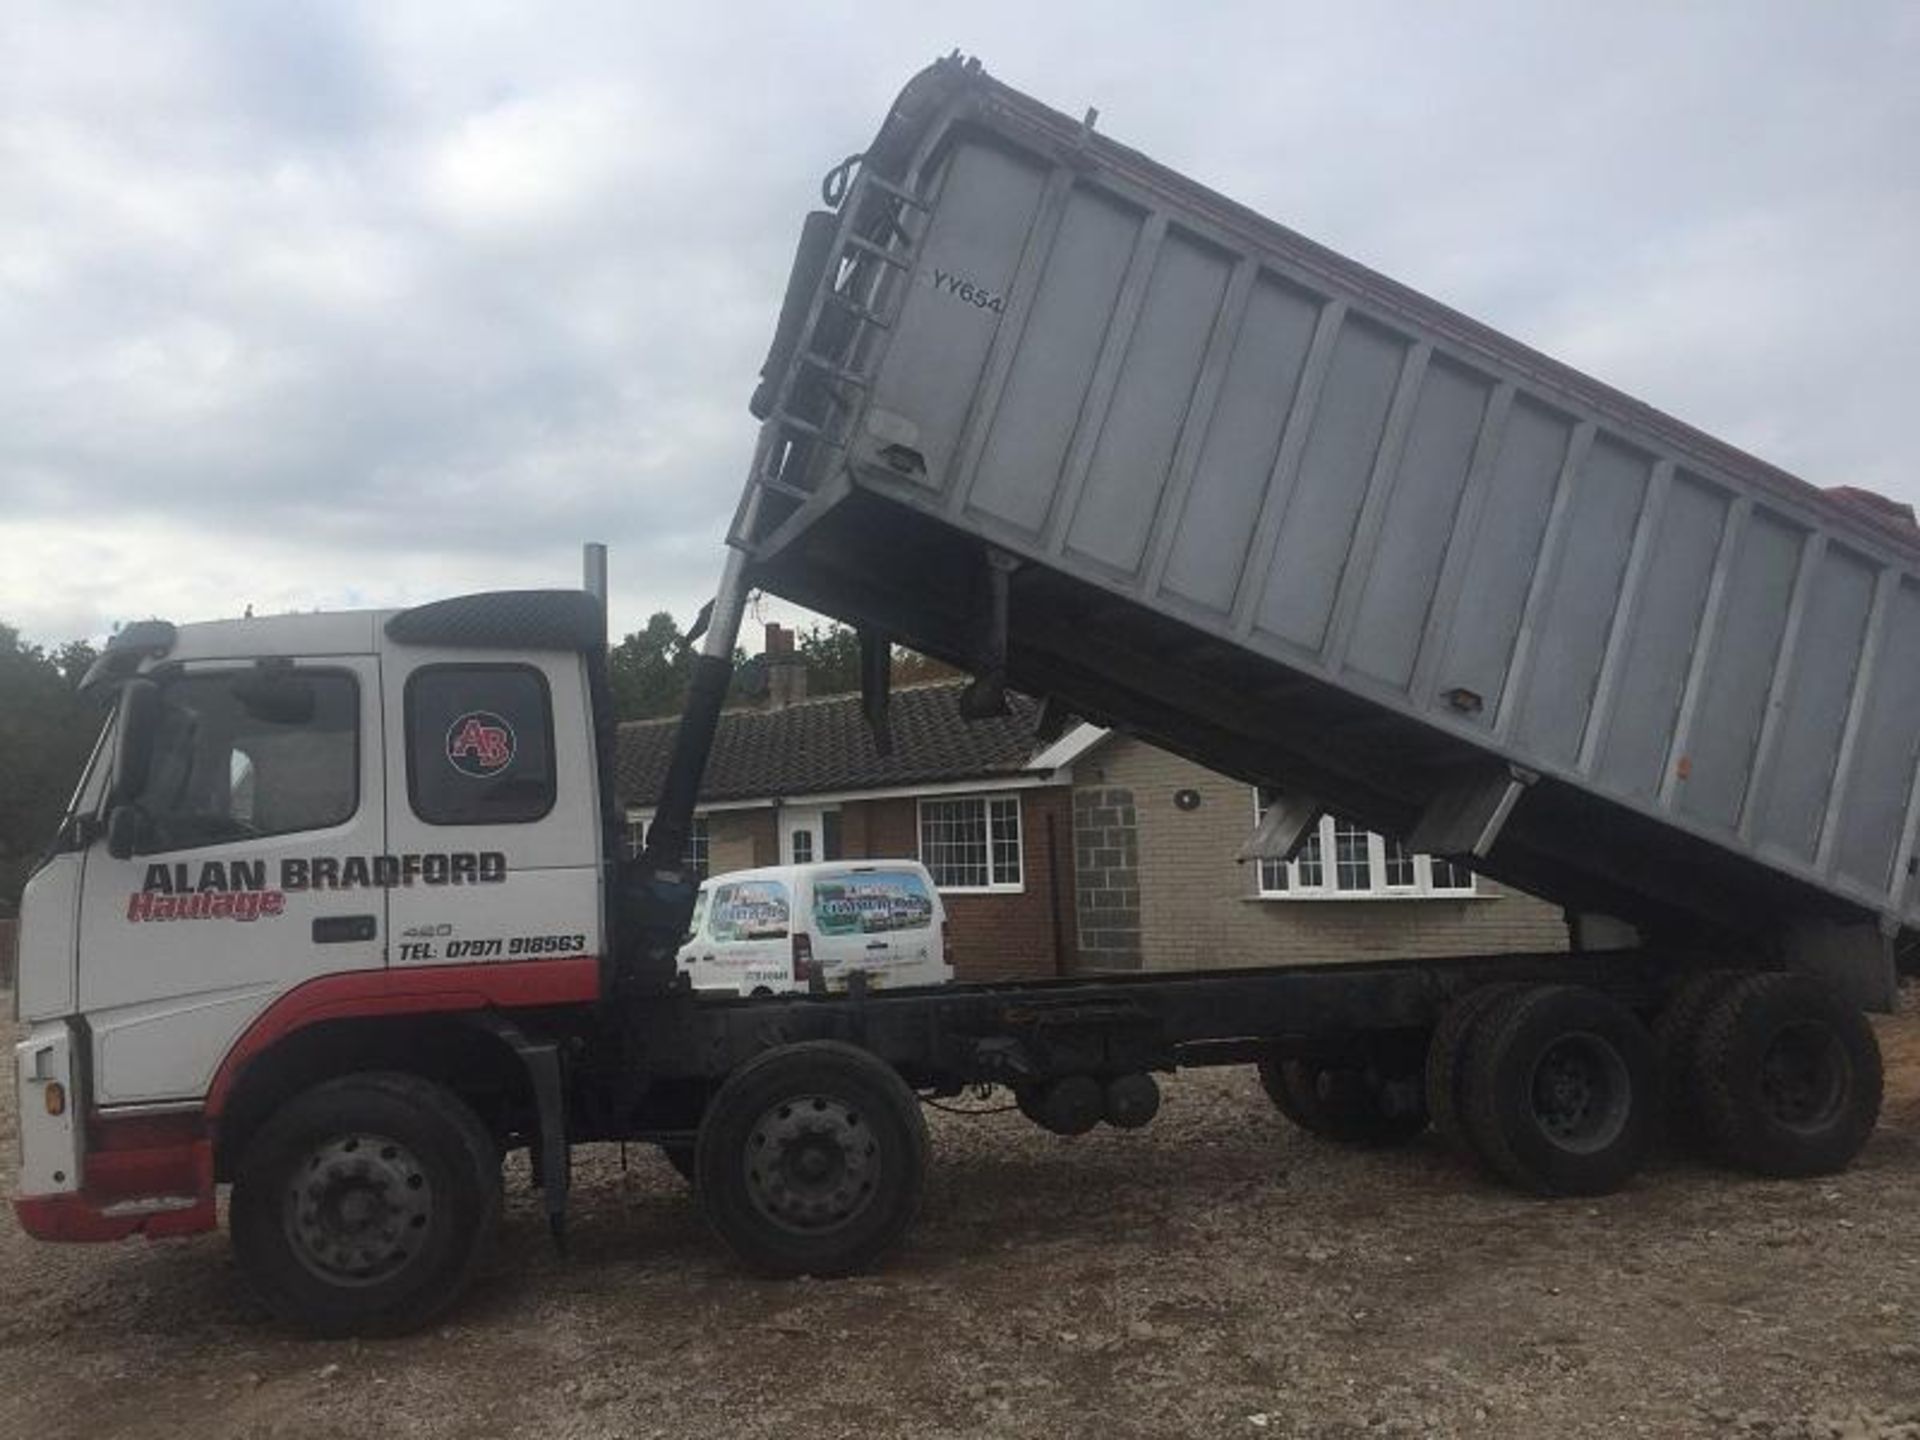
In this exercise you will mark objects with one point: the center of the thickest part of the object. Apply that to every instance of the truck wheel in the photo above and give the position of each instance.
(1447, 1053)
(364, 1204)
(1790, 1077)
(1676, 1040)
(1558, 1091)
(1357, 1104)
(812, 1159)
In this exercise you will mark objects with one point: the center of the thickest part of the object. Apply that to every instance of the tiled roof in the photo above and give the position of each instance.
(821, 747)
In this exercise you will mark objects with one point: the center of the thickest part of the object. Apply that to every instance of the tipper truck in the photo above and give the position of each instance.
(339, 913)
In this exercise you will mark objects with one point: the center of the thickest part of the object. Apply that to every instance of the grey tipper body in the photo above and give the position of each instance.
(1373, 551)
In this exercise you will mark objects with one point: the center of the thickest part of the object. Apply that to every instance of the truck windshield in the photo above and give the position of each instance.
(239, 756)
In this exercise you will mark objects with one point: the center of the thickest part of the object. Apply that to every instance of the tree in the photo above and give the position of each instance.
(649, 670)
(46, 730)
(832, 657)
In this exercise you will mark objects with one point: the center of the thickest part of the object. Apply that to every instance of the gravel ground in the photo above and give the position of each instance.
(1216, 1274)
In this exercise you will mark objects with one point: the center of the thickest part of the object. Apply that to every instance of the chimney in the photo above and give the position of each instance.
(786, 671)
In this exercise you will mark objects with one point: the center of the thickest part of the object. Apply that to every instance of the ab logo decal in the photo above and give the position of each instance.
(480, 743)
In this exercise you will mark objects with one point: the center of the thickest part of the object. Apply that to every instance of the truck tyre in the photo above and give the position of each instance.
(1558, 1090)
(363, 1205)
(1352, 1104)
(1790, 1077)
(812, 1159)
(1676, 1040)
(1447, 1053)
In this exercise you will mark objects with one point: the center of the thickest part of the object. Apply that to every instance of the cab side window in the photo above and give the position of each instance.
(243, 754)
(479, 744)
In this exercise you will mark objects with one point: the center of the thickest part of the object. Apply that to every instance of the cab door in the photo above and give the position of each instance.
(253, 868)
(493, 818)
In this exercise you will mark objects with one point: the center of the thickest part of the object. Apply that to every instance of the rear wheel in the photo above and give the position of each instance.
(364, 1204)
(1676, 1039)
(812, 1159)
(1366, 1101)
(1558, 1091)
(1790, 1076)
(1447, 1054)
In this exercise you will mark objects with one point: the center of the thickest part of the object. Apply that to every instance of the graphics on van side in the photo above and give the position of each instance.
(871, 904)
(751, 910)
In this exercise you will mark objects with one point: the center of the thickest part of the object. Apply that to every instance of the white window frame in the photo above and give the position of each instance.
(1328, 887)
(699, 842)
(988, 799)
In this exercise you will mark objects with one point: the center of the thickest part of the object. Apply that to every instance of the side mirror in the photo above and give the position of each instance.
(136, 723)
(126, 828)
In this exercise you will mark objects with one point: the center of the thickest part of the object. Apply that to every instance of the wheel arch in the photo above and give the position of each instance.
(452, 1050)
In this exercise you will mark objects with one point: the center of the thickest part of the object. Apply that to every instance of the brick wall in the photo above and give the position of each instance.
(1005, 934)
(1197, 906)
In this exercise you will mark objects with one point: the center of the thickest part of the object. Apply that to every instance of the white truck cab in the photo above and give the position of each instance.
(294, 820)
(783, 929)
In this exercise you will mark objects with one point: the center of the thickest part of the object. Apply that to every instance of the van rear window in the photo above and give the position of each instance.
(871, 902)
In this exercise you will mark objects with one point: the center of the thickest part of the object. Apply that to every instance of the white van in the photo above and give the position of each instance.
(771, 931)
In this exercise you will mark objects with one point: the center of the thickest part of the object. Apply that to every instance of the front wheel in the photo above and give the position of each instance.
(812, 1159)
(363, 1205)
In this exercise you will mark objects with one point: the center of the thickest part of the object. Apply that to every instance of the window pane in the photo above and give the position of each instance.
(1352, 866)
(953, 842)
(1450, 875)
(696, 857)
(1307, 866)
(1275, 876)
(243, 754)
(1005, 814)
(802, 844)
(830, 842)
(479, 744)
(1399, 862)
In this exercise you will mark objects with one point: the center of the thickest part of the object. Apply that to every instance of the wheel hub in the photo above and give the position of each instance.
(1804, 1077)
(812, 1163)
(1581, 1092)
(357, 1208)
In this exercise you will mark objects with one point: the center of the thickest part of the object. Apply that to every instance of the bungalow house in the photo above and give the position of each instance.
(1095, 852)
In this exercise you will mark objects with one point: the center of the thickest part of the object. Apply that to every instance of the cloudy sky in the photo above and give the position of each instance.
(310, 305)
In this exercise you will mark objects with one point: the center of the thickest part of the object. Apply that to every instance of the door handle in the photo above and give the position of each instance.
(876, 944)
(344, 929)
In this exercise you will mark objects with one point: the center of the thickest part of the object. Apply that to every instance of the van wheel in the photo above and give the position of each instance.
(1558, 1091)
(1354, 1104)
(364, 1204)
(812, 1159)
(1790, 1076)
